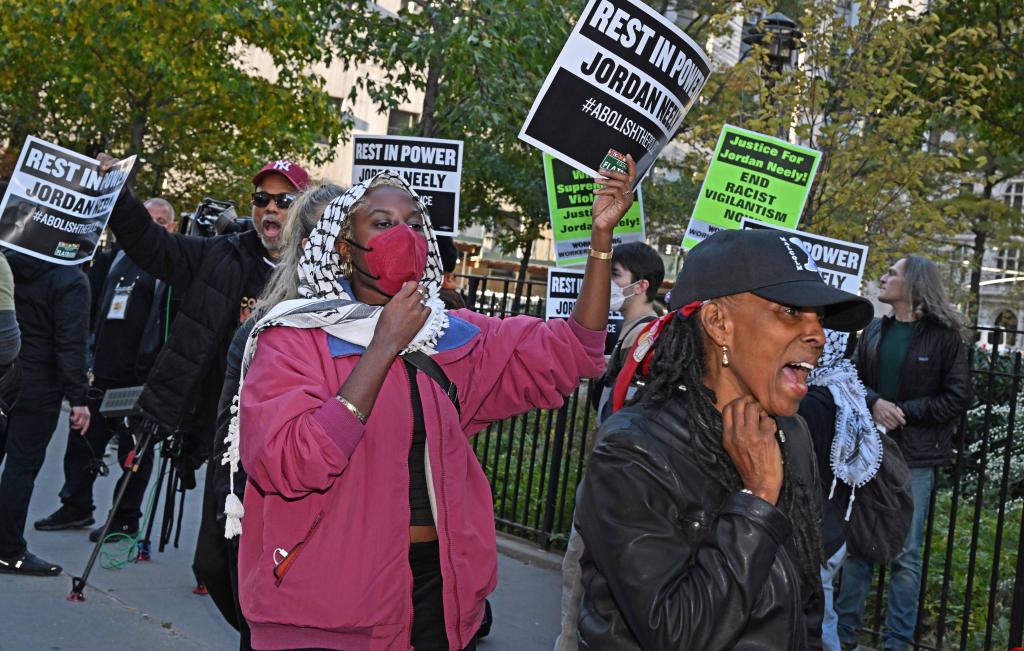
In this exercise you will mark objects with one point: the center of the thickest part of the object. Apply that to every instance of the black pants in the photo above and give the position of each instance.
(428, 632)
(82, 452)
(30, 426)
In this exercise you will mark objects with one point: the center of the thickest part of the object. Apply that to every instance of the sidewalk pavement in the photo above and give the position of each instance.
(150, 606)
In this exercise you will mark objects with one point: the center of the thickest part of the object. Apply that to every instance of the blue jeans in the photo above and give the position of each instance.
(830, 623)
(904, 579)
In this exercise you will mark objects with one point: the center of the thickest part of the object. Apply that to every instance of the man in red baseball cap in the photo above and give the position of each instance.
(277, 185)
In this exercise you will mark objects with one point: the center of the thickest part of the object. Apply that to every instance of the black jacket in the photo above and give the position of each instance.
(935, 387)
(116, 342)
(818, 409)
(52, 304)
(673, 561)
(221, 277)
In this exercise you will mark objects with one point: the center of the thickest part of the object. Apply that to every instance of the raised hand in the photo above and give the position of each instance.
(615, 197)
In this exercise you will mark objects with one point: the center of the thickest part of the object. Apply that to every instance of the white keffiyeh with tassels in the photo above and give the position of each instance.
(325, 304)
(856, 452)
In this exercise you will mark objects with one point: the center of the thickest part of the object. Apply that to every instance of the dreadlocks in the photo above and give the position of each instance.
(677, 369)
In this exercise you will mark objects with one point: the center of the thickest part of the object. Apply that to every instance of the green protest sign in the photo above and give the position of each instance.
(570, 196)
(752, 176)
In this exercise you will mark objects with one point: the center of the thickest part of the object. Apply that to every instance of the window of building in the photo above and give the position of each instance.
(963, 257)
(1013, 195)
(1008, 263)
(400, 122)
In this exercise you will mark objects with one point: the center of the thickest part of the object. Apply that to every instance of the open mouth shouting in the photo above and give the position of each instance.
(271, 227)
(795, 373)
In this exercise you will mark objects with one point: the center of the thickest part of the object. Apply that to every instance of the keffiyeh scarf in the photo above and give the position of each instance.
(856, 452)
(325, 303)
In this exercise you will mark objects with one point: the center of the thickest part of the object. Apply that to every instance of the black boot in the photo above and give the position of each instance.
(66, 517)
(126, 526)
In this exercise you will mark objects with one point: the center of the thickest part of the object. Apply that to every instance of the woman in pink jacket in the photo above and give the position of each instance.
(370, 522)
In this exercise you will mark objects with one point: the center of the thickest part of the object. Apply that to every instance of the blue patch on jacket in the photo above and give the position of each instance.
(459, 333)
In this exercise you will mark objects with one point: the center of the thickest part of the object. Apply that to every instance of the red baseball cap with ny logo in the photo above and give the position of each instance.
(286, 168)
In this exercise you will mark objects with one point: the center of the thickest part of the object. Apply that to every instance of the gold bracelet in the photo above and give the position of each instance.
(352, 408)
(600, 255)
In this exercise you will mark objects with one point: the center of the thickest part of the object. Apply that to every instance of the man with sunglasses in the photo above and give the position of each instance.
(220, 278)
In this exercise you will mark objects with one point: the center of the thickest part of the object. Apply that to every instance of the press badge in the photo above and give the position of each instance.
(119, 304)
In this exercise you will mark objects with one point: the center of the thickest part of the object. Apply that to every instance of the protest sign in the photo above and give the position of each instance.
(840, 263)
(623, 81)
(57, 203)
(752, 176)
(563, 290)
(570, 197)
(431, 166)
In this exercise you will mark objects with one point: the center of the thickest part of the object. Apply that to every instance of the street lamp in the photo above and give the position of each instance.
(783, 42)
(784, 39)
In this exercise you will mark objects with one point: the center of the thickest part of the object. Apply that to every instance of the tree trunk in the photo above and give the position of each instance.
(980, 231)
(974, 302)
(524, 264)
(428, 126)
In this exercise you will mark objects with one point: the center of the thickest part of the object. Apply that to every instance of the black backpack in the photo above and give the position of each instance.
(882, 508)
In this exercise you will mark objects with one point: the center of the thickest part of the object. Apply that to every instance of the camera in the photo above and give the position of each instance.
(214, 217)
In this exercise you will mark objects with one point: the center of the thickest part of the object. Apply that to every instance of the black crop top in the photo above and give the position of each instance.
(419, 499)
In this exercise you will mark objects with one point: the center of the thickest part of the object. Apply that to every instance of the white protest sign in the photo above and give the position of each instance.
(57, 203)
(433, 167)
(840, 263)
(563, 289)
(623, 81)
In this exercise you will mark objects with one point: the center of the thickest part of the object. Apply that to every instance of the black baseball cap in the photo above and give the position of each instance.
(770, 264)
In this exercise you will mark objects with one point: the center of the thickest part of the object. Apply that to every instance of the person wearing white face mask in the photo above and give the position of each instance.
(637, 273)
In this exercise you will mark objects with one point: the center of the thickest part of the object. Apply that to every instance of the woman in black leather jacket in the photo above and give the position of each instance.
(700, 508)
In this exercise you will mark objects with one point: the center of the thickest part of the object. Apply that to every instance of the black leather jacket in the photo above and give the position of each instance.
(935, 388)
(675, 562)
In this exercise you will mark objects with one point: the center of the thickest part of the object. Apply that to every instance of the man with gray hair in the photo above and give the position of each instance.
(162, 212)
(123, 306)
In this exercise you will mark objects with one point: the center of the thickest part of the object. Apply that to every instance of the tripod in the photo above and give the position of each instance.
(172, 467)
(118, 403)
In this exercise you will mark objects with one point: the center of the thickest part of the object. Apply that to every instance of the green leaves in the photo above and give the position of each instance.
(174, 83)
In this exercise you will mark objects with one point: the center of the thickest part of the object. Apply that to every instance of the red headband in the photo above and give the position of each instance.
(641, 352)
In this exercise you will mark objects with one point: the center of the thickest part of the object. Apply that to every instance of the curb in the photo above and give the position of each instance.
(528, 553)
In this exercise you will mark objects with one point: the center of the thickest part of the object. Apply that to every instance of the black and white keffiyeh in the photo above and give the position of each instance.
(856, 452)
(326, 304)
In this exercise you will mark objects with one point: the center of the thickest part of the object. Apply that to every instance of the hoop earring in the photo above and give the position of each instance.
(725, 356)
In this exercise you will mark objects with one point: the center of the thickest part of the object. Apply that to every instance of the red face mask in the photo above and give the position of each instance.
(396, 256)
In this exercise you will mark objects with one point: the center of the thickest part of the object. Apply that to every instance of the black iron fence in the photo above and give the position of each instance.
(972, 588)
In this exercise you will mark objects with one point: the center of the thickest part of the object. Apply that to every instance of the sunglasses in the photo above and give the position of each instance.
(262, 199)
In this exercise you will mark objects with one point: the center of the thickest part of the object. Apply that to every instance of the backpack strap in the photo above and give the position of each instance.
(433, 370)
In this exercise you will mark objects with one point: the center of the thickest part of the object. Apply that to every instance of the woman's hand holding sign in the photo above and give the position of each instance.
(613, 199)
(610, 203)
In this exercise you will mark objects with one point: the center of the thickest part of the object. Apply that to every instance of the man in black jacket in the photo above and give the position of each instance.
(124, 305)
(221, 277)
(914, 365)
(52, 304)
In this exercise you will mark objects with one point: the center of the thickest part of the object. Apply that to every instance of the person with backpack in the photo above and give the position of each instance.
(369, 519)
(865, 482)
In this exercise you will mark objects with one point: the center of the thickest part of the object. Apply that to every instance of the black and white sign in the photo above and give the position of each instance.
(433, 168)
(57, 204)
(623, 81)
(840, 263)
(563, 291)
